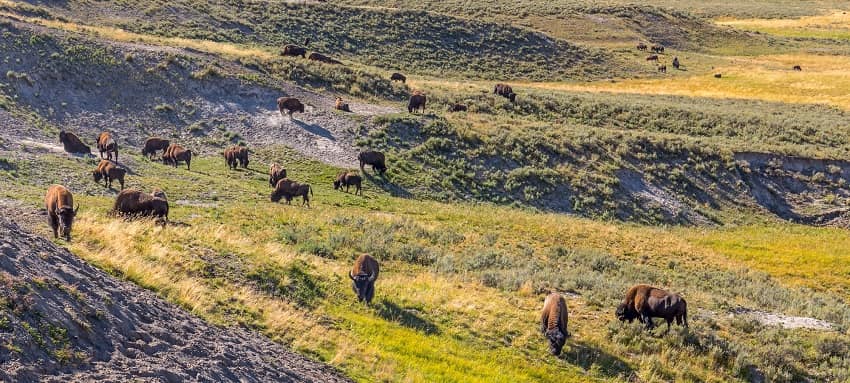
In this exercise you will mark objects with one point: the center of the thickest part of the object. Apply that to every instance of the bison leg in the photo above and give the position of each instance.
(51, 219)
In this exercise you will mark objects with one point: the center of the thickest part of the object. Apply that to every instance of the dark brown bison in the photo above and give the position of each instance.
(134, 203)
(644, 302)
(176, 153)
(108, 171)
(288, 189)
(676, 62)
(339, 105)
(72, 144)
(291, 105)
(416, 103)
(276, 173)
(106, 144)
(348, 179)
(652, 58)
(294, 50)
(505, 91)
(657, 48)
(553, 322)
(376, 159)
(363, 276)
(398, 77)
(641, 47)
(662, 68)
(457, 108)
(236, 156)
(315, 56)
(797, 68)
(60, 210)
(718, 75)
(154, 144)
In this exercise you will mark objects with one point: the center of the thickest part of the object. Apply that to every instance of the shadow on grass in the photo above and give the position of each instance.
(587, 356)
(405, 317)
(386, 185)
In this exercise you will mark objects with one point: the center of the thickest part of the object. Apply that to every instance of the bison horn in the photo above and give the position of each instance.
(350, 276)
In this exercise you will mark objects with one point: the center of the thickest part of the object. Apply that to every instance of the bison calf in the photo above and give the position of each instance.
(553, 322)
(376, 159)
(644, 302)
(108, 171)
(60, 210)
(363, 276)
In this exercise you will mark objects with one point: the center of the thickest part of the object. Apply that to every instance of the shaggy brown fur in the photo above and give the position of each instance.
(457, 108)
(154, 144)
(644, 302)
(339, 105)
(657, 48)
(236, 156)
(553, 322)
(797, 68)
(108, 171)
(134, 203)
(176, 153)
(348, 179)
(315, 56)
(288, 189)
(416, 103)
(676, 62)
(291, 105)
(652, 58)
(376, 159)
(641, 47)
(276, 173)
(294, 50)
(72, 144)
(718, 75)
(398, 77)
(363, 275)
(505, 91)
(60, 210)
(106, 144)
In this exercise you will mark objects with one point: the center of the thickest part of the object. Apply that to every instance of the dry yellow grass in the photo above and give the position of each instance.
(833, 25)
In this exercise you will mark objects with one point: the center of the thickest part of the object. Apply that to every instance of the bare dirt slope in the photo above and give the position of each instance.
(64, 320)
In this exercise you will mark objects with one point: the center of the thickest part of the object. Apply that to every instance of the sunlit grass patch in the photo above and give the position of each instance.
(835, 25)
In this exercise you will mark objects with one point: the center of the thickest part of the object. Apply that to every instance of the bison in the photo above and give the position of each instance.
(339, 105)
(797, 68)
(135, 203)
(276, 173)
(662, 68)
(294, 50)
(108, 171)
(176, 153)
(652, 58)
(154, 144)
(316, 56)
(236, 155)
(417, 102)
(641, 47)
(289, 189)
(505, 91)
(348, 179)
(676, 62)
(718, 75)
(363, 276)
(106, 144)
(644, 302)
(457, 108)
(72, 144)
(60, 210)
(398, 77)
(291, 105)
(657, 48)
(553, 322)
(376, 159)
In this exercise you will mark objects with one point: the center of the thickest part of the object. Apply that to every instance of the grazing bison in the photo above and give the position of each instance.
(797, 68)
(315, 56)
(644, 302)
(106, 144)
(294, 50)
(553, 322)
(339, 105)
(349, 179)
(652, 58)
(503, 90)
(676, 62)
(662, 68)
(718, 75)
(398, 77)
(289, 189)
(176, 153)
(457, 108)
(417, 102)
(72, 144)
(376, 159)
(363, 276)
(108, 171)
(276, 173)
(236, 155)
(641, 47)
(134, 203)
(60, 210)
(657, 48)
(291, 105)
(154, 144)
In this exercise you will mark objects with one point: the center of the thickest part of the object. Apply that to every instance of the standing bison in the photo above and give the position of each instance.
(106, 144)
(676, 62)
(641, 47)
(288, 189)
(505, 91)
(416, 103)
(797, 68)
(349, 179)
(294, 50)
(339, 105)
(553, 322)
(176, 153)
(657, 48)
(276, 173)
(236, 155)
(315, 56)
(108, 171)
(134, 203)
(644, 302)
(72, 144)
(60, 210)
(398, 77)
(291, 105)
(363, 276)
(652, 58)
(376, 159)
(153, 145)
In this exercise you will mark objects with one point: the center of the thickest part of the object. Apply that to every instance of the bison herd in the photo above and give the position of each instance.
(654, 57)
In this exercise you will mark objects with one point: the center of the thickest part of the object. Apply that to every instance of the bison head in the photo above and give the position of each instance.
(363, 285)
(337, 184)
(556, 340)
(97, 176)
(625, 313)
(66, 219)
